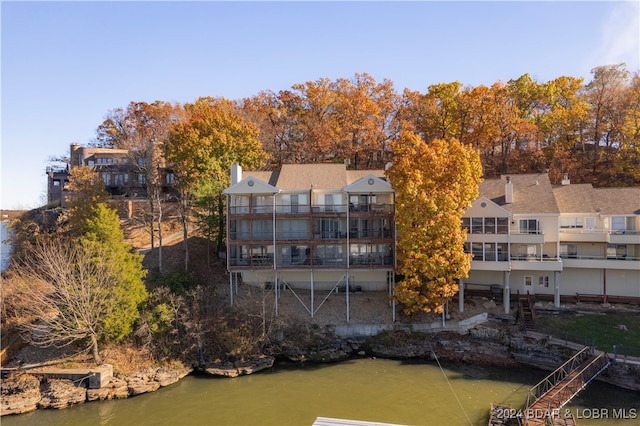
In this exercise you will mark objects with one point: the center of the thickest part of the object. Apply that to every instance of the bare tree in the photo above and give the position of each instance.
(62, 295)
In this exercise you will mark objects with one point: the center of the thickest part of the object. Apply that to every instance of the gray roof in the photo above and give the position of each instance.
(584, 198)
(575, 198)
(532, 193)
(623, 201)
(326, 176)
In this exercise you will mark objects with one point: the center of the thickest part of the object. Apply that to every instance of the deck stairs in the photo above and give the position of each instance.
(527, 312)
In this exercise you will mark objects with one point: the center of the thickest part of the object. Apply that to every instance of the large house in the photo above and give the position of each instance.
(318, 227)
(556, 242)
(323, 227)
(123, 177)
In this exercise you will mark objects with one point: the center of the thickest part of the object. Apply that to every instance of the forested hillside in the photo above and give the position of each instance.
(588, 129)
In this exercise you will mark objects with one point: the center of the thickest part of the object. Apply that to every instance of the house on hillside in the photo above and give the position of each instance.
(122, 174)
(317, 227)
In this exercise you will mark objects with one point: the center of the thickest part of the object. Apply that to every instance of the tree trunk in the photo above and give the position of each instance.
(94, 349)
(185, 231)
(159, 222)
(221, 224)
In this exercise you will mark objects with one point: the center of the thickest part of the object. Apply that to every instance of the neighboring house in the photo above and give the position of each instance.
(121, 175)
(599, 235)
(527, 236)
(318, 227)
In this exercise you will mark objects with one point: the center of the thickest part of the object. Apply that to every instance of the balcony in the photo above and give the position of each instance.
(628, 236)
(601, 262)
(479, 265)
(531, 237)
(584, 235)
(533, 263)
(252, 262)
(293, 209)
(376, 208)
(330, 208)
(370, 260)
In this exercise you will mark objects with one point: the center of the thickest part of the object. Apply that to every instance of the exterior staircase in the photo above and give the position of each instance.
(527, 312)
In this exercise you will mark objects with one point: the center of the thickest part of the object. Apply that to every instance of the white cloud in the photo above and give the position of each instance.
(620, 37)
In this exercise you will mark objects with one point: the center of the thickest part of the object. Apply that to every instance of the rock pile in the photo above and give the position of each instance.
(23, 392)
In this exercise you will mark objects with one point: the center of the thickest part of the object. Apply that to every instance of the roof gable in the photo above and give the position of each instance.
(251, 185)
(484, 207)
(367, 184)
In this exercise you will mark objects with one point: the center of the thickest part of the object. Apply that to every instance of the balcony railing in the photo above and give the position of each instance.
(371, 259)
(375, 208)
(544, 258)
(305, 208)
(590, 257)
(292, 208)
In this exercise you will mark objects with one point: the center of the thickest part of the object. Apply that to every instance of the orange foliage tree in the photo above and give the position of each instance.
(435, 183)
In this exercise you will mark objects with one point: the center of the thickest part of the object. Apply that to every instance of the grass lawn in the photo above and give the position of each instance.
(597, 328)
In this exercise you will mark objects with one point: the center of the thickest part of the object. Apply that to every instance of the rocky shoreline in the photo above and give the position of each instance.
(482, 345)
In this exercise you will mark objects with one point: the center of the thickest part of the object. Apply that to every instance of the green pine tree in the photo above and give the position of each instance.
(102, 232)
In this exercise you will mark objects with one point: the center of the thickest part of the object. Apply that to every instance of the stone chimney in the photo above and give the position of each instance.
(236, 173)
(508, 191)
(565, 179)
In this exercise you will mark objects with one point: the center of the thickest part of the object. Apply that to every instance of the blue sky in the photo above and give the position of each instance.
(66, 64)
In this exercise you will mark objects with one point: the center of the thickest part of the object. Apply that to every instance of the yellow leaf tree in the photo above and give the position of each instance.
(435, 183)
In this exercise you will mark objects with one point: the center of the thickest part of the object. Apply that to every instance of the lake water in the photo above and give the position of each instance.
(5, 250)
(377, 390)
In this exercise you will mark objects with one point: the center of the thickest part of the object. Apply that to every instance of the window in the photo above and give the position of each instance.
(293, 255)
(329, 228)
(489, 225)
(262, 229)
(622, 224)
(526, 251)
(56, 183)
(528, 281)
(543, 281)
(106, 178)
(486, 225)
(141, 179)
(568, 251)
(170, 178)
(503, 252)
(489, 252)
(571, 222)
(120, 179)
(477, 251)
(381, 228)
(529, 226)
(476, 225)
(293, 229)
(616, 251)
(503, 225)
(330, 255)
(262, 203)
(239, 204)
